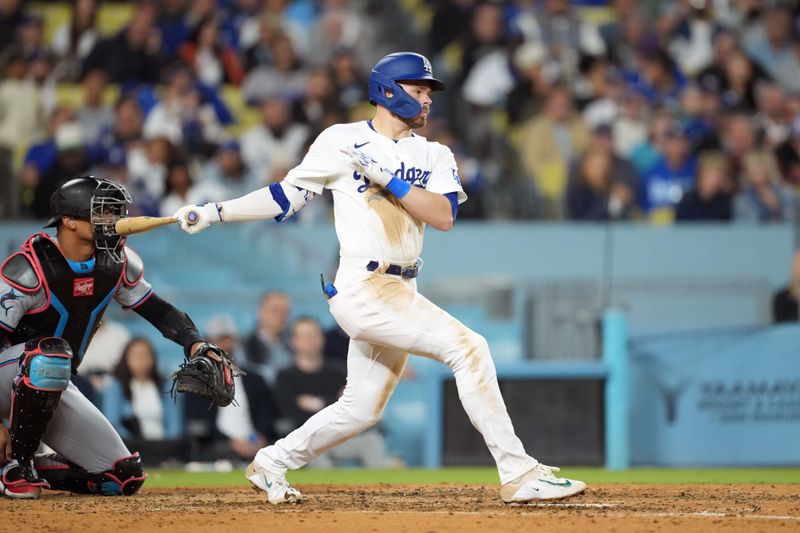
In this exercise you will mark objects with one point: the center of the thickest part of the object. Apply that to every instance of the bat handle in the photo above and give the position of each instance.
(191, 218)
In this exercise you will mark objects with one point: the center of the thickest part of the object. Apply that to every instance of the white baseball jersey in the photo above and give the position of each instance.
(384, 315)
(370, 222)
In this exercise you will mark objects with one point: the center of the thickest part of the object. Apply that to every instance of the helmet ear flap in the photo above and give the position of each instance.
(400, 103)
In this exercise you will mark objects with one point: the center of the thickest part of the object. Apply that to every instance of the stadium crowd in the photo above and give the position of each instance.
(680, 110)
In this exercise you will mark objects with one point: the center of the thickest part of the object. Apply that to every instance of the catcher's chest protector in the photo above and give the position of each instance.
(75, 301)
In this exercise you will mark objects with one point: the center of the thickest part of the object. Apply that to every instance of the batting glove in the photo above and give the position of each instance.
(365, 165)
(195, 218)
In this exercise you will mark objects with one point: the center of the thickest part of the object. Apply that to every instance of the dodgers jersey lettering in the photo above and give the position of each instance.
(370, 222)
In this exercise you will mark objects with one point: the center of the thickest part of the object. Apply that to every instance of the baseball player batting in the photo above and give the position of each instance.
(53, 295)
(388, 184)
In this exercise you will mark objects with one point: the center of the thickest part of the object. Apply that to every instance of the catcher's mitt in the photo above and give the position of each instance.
(203, 375)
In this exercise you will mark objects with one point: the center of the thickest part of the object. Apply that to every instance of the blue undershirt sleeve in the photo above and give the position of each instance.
(453, 197)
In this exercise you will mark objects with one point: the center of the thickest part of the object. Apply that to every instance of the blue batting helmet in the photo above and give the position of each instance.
(398, 67)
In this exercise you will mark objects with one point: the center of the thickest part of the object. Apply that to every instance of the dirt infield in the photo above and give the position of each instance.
(423, 508)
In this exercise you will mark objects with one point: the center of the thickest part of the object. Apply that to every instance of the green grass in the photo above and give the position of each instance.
(176, 478)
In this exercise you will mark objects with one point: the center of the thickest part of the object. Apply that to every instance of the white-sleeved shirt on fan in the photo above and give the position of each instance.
(370, 222)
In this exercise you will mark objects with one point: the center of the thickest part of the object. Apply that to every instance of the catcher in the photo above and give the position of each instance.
(53, 295)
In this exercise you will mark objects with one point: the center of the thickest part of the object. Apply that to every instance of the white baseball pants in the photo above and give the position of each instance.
(386, 319)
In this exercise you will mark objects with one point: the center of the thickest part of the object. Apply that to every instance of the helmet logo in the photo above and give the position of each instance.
(426, 66)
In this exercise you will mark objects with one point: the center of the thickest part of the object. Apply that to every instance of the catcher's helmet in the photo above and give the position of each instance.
(398, 67)
(97, 200)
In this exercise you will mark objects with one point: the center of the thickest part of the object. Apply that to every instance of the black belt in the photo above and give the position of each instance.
(408, 271)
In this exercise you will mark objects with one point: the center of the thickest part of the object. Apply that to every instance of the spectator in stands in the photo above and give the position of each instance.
(763, 198)
(713, 77)
(12, 12)
(74, 40)
(181, 188)
(42, 155)
(338, 25)
(627, 34)
(182, 117)
(349, 83)
(312, 383)
(741, 79)
(123, 135)
(594, 192)
(132, 55)
(274, 145)
(669, 178)
(710, 199)
(72, 160)
(785, 301)
(773, 117)
(227, 171)
(598, 91)
(486, 34)
(243, 19)
(565, 35)
(237, 431)
(788, 155)
(449, 23)
(94, 115)
(30, 36)
(532, 81)
(171, 26)
(631, 125)
(22, 120)
(259, 52)
(266, 349)
(137, 402)
(272, 21)
(657, 78)
(771, 46)
(699, 125)
(739, 137)
(319, 102)
(689, 27)
(213, 62)
(285, 77)
(147, 167)
(548, 143)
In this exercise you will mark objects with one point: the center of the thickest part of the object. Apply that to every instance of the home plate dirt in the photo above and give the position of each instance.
(425, 508)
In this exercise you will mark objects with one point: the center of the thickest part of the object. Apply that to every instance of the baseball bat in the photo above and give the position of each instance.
(131, 225)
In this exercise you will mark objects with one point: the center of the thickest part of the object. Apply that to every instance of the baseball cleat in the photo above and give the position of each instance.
(540, 484)
(275, 485)
(21, 481)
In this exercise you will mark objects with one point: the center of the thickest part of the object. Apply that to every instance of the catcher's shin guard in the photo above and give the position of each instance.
(124, 479)
(44, 374)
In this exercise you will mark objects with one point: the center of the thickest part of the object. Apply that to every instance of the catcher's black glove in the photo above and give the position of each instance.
(203, 375)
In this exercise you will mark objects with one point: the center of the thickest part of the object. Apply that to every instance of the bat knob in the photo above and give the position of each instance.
(191, 217)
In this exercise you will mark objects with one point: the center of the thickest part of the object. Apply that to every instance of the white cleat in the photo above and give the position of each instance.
(540, 484)
(275, 485)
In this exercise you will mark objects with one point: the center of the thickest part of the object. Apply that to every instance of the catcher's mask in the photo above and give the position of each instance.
(99, 201)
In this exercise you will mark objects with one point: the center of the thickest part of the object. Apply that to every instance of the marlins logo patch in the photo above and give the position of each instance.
(83, 287)
(7, 300)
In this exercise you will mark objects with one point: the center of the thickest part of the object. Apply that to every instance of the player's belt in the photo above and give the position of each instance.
(404, 271)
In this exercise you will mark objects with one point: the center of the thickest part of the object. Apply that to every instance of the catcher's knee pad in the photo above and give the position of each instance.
(124, 479)
(44, 374)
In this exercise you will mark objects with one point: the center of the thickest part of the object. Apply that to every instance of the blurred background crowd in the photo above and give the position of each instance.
(596, 110)
(585, 110)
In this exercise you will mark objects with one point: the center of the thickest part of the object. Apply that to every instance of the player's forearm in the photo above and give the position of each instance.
(173, 324)
(277, 201)
(429, 207)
